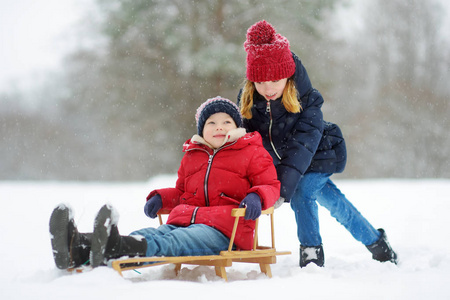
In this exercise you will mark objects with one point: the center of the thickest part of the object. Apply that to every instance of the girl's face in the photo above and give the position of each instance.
(216, 128)
(271, 90)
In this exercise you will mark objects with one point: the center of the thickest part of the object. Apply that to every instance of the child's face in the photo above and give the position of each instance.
(216, 128)
(271, 90)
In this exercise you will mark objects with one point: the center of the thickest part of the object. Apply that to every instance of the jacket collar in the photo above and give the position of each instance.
(232, 135)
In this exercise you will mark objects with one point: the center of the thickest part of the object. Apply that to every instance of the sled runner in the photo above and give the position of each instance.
(262, 255)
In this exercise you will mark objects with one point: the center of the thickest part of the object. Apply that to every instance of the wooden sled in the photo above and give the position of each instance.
(262, 255)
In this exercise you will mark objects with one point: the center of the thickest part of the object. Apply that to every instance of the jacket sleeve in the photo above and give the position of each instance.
(302, 144)
(302, 81)
(263, 178)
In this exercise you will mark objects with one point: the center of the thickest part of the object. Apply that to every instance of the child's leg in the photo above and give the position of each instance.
(161, 230)
(196, 239)
(305, 208)
(108, 244)
(345, 213)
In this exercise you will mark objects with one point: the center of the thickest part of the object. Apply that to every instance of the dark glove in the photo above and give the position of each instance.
(252, 203)
(152, 206)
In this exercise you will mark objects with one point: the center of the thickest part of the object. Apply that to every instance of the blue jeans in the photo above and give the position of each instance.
(316, 188)
(171, 240)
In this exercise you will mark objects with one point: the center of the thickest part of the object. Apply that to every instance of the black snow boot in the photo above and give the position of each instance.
(70, 248)
(381, 250)
(108, 244)
(311, 254)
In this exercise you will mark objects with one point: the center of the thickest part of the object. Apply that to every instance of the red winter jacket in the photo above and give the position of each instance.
(212, 182)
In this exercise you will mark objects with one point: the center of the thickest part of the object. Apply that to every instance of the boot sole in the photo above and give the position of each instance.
(59, 227)
(102, 227)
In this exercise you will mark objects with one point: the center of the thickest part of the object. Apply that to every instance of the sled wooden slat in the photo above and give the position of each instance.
(262, 255)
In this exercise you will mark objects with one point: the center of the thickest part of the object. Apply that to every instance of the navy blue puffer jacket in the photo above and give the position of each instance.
(298, 142)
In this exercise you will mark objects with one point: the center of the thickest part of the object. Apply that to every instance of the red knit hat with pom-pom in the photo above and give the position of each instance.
(268, 55)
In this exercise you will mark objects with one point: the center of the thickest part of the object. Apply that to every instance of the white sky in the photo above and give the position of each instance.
(32, 37)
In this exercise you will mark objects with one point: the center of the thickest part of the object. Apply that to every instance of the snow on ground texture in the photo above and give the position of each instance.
(414, 214)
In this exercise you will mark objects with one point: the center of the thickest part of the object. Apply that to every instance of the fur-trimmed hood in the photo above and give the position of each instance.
(232, 135)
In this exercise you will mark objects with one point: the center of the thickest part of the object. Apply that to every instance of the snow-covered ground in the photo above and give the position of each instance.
(414, 213)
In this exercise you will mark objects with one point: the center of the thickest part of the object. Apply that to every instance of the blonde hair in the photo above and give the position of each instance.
(289, 99)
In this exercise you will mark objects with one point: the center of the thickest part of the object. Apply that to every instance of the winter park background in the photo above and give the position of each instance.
(96, 98)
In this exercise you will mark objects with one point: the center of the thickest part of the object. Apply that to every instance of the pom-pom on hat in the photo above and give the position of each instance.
(269, 57)
(216, 105)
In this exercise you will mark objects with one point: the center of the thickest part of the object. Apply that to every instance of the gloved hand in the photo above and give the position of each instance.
(252, 203)
(152, 206)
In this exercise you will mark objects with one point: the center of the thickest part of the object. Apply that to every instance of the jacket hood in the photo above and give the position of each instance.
(301, 78)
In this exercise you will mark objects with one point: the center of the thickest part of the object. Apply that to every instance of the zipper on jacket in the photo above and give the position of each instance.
(268, 110)
(208, 170)
(205, 186)
(194, 214)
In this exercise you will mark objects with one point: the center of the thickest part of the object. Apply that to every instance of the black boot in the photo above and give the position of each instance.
(70, 248)
(108, 244)
(311, 254)
(381, 250)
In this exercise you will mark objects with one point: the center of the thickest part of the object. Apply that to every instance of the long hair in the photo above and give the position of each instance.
(289, 99)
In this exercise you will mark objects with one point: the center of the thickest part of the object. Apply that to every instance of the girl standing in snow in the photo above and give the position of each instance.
(223, 168)
(279, 102)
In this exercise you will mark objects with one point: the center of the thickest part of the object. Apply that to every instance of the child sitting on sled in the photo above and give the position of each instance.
(223, 168)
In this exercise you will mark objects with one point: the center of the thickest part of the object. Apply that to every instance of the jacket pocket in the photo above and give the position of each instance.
(227, 200)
